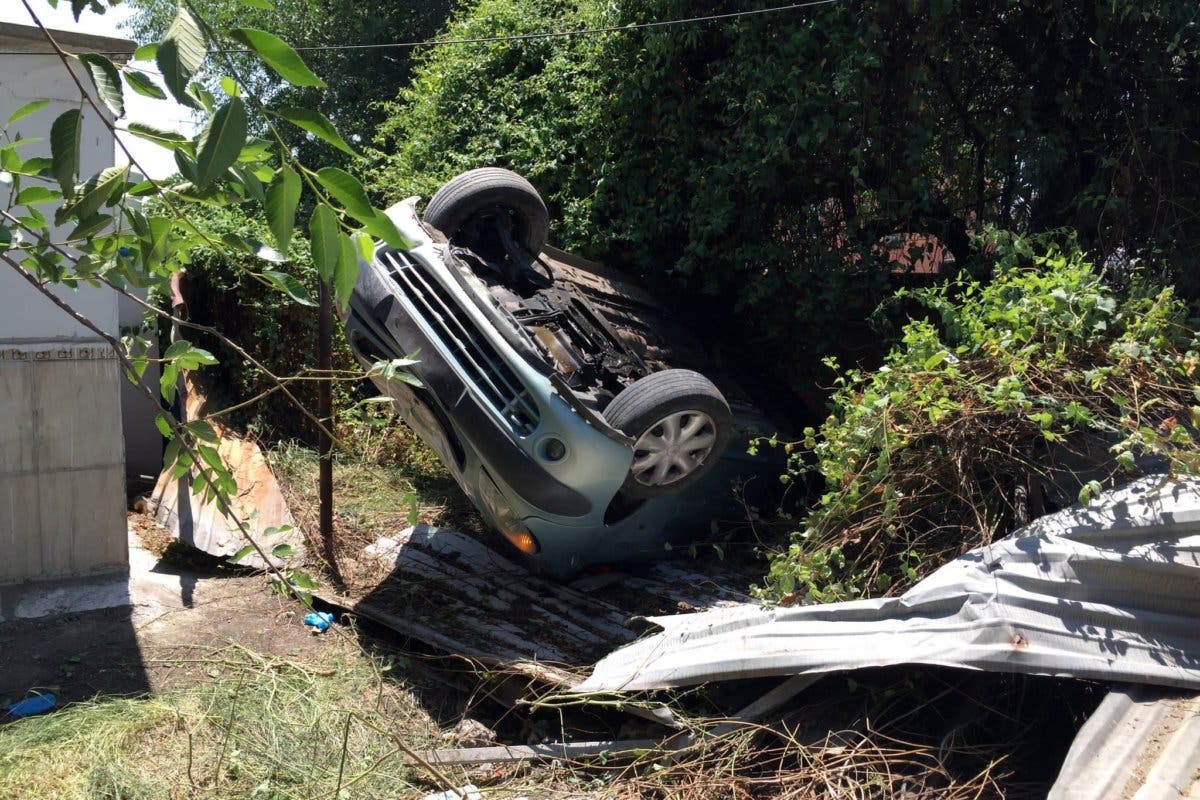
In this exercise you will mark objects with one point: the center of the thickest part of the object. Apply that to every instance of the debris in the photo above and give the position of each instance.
(319, 621)
(194, 518)
(1104, 591)
(472, 733)
(540, 752)
(490, 609)
(31, 706)
(468, 792)
(770, 702)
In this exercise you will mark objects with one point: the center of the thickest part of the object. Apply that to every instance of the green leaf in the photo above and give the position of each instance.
(65, 135)
(283, 195)
(346, 189)
(211, 457)
(176, 349)
(345, 274)
(1089, 492)
(171, 454)
(24, 111)
(146, 52)
(279, 56)
(77, 7)
(290, 286)
(934, 360)
(5, 238)
(220, 142)
(94, 193)
(229, 86)
(366, 246)
(255, 150)
(283, 551)
(172, 140)
(203, 430)
(263, 5)
(32, 195)
(315, 123)
(381, 227)
(202, 96)
(240, 554)
(302, 580)
(163, 427)
(180, 55)
(323, 232)
(142, 84)
(253, 186)
(107, 81)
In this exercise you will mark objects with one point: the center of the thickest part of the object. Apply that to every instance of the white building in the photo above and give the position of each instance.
(62, 450)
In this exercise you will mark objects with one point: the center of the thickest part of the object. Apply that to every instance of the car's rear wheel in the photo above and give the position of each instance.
(680, 423)
(468, 207)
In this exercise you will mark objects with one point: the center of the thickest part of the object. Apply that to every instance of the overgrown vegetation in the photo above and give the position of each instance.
(758, 166)
(1032, 390)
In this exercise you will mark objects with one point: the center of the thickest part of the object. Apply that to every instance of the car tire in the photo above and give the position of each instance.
(680, 423)
(491, 189)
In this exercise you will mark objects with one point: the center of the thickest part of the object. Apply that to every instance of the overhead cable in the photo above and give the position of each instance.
(520, 37)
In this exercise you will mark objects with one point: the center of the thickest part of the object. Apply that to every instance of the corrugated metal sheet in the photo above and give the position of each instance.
(1142, 743)
(1107, 592)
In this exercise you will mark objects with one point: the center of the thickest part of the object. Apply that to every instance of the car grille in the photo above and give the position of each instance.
(458, 336)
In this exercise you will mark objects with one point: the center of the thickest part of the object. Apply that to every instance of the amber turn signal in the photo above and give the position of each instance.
(523, 541)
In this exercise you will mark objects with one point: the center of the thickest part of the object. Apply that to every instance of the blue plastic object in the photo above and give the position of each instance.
(321, 620)
(38, 704)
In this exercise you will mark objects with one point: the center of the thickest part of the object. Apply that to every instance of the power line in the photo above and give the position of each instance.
(522, 37)
(633, 26)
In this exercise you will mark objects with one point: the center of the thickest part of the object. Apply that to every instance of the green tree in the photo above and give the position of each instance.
(761, 164)
(357, 79)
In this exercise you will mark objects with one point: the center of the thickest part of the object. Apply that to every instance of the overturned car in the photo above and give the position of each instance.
(563, 400)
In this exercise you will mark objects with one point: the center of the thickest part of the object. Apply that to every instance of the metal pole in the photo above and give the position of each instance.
(325, 413)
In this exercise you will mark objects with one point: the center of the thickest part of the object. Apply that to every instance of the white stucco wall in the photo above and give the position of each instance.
(62, 464)
(24, 314)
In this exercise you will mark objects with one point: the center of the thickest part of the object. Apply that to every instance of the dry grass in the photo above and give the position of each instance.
(775, 762)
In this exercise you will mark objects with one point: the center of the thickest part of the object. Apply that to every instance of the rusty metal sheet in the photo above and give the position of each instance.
(259, 502)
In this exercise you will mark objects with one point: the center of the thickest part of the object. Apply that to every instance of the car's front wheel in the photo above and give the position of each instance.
(466, 209)
(680, 423)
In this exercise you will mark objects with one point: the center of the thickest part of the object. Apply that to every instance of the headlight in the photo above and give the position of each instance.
(506, 520)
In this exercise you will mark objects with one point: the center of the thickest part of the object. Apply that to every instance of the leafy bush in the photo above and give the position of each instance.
(1037, 389)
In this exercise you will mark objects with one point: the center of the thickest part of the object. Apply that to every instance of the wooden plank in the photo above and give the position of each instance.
(501, 754)
(769, 703)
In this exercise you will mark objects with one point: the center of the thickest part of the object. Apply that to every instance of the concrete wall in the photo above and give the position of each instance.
(62, 474)
(62, 471)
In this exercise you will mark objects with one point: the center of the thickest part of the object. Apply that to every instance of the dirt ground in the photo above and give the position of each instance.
(182, 608)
